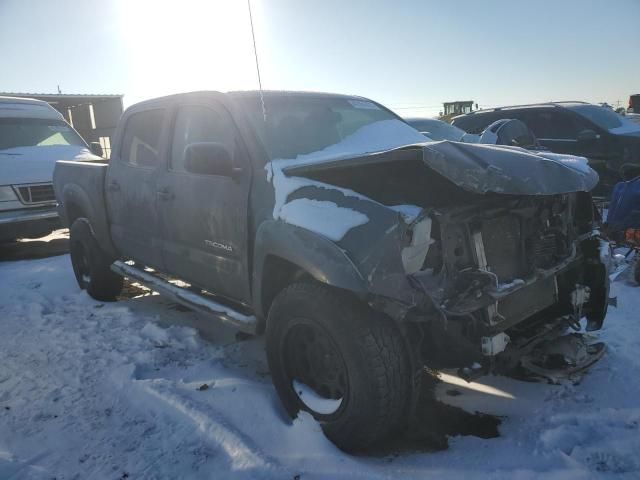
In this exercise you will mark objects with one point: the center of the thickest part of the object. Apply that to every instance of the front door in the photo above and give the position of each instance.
(555, 130)
(204, 216)
(131, 187)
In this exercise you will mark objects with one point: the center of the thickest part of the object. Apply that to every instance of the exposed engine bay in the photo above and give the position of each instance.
(502, 277)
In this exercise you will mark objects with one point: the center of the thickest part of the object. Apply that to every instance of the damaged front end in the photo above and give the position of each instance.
(491, 253)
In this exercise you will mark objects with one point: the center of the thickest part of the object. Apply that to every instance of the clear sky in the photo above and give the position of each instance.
(408, 55)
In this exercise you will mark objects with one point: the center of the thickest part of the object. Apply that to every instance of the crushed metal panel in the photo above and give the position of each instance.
(506, 170)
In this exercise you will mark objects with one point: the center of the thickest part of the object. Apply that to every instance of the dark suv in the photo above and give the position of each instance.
(607, 139)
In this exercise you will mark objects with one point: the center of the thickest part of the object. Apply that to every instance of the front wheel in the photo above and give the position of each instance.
(91, 265)
(333, 357)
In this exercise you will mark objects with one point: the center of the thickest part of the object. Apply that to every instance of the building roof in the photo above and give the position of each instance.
(61, 95)
(65, 100)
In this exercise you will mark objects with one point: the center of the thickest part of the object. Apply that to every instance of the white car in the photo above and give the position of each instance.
(33, 136)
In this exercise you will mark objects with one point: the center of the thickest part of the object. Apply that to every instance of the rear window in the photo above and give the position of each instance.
(141, 143)
(36, 132)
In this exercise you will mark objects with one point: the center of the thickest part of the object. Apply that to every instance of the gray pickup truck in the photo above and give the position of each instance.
(365, 252)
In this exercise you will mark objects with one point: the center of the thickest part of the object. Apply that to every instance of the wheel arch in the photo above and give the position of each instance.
(77, 203)
(286, 253)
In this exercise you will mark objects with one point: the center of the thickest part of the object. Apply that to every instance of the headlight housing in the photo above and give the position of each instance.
(7, 194)
(413, 255)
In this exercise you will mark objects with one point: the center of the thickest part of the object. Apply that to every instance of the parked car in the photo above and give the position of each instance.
(634, 117)
(435, 129)
(33, 135)
(607, 139)
(363, 251)
(510, 132)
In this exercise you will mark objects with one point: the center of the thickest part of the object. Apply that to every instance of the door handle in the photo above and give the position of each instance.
(113, 186)
(165, 194)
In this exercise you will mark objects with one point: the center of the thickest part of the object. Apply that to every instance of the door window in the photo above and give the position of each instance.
(141, 144)
(196, 123)
(552, 124)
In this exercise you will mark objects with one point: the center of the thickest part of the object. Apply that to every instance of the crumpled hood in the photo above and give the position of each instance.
(508, 170)
(36, 164)
(483, 169)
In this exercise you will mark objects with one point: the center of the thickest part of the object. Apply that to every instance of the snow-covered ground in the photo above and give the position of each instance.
(143, 389)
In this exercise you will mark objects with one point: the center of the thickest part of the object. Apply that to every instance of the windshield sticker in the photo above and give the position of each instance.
(363, 104)
(58, 128)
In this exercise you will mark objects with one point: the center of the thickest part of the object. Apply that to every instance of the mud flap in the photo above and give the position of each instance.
(563, 358)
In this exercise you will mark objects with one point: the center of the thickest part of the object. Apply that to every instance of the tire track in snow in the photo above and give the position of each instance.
(239, 448)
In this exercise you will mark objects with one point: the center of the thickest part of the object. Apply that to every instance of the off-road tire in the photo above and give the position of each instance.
(91, 265)
(371, 345)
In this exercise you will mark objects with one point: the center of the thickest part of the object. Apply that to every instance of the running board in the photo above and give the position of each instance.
(192, 300)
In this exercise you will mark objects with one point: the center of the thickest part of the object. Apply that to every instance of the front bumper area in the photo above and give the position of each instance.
(28, 222)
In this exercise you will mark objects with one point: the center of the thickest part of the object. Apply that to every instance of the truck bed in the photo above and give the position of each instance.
(80, 192)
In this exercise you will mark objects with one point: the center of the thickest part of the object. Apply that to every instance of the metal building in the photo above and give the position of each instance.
(94, 116)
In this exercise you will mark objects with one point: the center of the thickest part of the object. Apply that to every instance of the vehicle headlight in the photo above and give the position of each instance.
(7, 194)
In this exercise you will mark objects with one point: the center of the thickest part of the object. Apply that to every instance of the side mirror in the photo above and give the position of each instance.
(96, 149)
(587, 136)
(208, 158)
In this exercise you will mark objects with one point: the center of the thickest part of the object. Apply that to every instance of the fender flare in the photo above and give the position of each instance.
(76, 199)
(316, 255)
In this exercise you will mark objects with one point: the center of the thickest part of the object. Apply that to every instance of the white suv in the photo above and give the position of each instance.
(33, 136)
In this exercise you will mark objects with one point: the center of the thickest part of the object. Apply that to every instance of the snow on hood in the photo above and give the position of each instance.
(475, 168)
(628, 127)
(376, 137)
(578, 163)
(634, 118)
(36, 164)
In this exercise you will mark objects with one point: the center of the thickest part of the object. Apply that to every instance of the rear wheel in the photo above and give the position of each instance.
(343, 363)
(91, 265)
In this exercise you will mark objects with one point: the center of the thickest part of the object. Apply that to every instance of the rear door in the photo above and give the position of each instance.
(204, 217)
(131, 186)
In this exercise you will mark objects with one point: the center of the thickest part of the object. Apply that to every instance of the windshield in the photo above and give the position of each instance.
(36, 132)
(438, 130)
(603, 117)
(298, 125)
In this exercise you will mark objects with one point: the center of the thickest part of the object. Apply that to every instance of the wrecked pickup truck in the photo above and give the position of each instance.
(365, 252)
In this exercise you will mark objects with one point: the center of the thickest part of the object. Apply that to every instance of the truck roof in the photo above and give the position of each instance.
(289, 93)
(242, 93)
(12, 107)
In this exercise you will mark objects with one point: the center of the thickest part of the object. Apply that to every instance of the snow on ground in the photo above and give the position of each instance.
(133, 390)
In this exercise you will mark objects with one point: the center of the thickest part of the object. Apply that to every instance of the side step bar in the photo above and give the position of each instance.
(192, 300)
